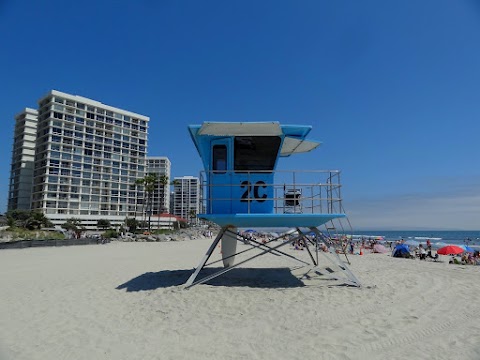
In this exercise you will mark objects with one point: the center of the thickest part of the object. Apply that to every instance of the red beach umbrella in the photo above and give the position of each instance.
(450, 250)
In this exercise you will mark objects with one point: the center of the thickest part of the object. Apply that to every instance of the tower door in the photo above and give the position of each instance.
(220, 177)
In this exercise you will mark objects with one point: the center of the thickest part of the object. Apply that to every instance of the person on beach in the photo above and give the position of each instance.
(454, 260)
(421, 252)
(471, 259)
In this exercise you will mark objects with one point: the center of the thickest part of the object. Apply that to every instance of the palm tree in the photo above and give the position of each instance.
(149, 183)
(174, 182)
(163, 182)
(136, 184)
(28, 219)
(193, 214)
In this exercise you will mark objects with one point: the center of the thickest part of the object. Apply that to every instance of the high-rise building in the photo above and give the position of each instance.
(87, 158)
(161, 167)
(23, 156)
(186, 197)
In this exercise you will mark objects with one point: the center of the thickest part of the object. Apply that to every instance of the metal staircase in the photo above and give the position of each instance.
(341, 227)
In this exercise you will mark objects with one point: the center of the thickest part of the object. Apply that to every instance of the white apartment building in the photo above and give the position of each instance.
(23, 156)
(87, 158)
(160, 166)
(186, 199)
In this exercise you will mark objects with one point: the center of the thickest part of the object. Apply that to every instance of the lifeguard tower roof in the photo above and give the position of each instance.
(294, 141)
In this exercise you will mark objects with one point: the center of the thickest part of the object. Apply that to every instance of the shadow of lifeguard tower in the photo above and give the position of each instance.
(241, 188)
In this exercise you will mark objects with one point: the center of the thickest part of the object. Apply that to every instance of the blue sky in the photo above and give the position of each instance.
(391, 88)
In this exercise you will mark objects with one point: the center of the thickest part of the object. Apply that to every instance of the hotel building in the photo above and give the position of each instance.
(186, 197)
(87, 158)
(160, 166)
(23, 156)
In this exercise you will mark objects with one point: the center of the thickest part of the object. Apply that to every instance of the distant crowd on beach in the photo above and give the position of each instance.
(466, 257)
(401, 248)
(344, 244)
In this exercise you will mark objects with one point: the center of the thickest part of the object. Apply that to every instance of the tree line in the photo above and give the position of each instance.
(36, 219)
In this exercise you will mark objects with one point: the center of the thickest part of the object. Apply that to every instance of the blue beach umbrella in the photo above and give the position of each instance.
(466, 248)
(400, 249)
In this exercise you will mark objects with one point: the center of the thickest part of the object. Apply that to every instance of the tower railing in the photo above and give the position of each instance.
(290, 192)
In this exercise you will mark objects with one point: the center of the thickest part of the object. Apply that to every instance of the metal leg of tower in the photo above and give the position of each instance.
(191, 281)
(209, 252)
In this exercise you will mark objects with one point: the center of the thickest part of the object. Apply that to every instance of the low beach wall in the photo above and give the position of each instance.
(21, 244)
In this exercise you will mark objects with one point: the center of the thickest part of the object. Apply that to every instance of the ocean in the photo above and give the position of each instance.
(435, 236)
(438, 238)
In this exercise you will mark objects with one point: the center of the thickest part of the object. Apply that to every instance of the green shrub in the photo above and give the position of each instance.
(110, 234)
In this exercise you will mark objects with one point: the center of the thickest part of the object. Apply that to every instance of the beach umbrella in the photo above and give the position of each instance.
(400, 249)
(378, 248)
(466, 248)
(450, 250)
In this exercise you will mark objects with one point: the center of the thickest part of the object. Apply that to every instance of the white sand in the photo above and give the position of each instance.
(120, 301)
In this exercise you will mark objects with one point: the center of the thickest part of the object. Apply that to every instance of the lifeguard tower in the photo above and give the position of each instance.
(241, 188)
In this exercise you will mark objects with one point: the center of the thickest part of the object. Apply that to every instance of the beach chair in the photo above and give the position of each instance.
(292, 204)
(430, 256)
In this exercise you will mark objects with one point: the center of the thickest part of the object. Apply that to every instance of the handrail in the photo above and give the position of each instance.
(320, 190)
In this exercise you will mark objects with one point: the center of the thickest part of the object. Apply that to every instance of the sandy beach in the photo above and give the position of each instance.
(124, 301)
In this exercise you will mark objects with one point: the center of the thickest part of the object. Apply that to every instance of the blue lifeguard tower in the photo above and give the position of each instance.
(241, 188)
